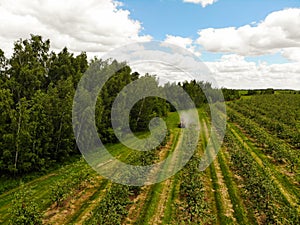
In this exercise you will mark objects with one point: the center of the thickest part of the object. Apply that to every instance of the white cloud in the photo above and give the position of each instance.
(203, 3)
(96, 26)
(91, 25)
(293, 54)
(169, 63)
(233, 71)
(279, 31)
(180, 41)
(186, 43)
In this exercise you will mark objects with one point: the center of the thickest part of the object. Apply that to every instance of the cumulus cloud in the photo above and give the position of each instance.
(180, 41)
(183, 42)
(91, 25)
(234, 71)
(97, 26)
(169, 62)
(278, 31)
(293, 54)
(203, 3)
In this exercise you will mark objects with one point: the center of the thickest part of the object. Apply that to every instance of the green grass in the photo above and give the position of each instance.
(240, 212)
(239, 209)
(174, 194)
(83, 209)
(9, 182)
(243, 92)
(41, 185)
(40, 189)
(153, 197)
(222, 219)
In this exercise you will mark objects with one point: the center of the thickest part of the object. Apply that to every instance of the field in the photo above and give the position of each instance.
(255, 178)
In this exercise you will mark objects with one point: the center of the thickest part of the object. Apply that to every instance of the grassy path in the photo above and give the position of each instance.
(40, 190)
(229, 204)
(152, 211)
(156, 204)
(83, 205)
(238, 206)
(223, 203)
(167, 188)
(138, 203)
(149, 201)
(84, 211)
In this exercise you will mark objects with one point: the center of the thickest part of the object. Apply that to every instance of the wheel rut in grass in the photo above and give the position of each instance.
(78, 205)
(92, 203)
(40, 188)
(222, 198)
(226, 201)
(152, 211)
(138, 202)
(167, 187)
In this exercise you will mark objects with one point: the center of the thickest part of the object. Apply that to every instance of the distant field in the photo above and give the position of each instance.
(254, 180)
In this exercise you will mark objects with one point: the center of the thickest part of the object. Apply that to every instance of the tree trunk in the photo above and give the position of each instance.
(140, 112)
(59, 136)
(17, 138)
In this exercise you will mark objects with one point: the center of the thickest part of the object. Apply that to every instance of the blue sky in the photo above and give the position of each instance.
(246, 44)
(161, 17)
(178, 18)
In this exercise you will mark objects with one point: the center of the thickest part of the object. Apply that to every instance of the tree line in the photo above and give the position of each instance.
(36, 92)
(37, 88)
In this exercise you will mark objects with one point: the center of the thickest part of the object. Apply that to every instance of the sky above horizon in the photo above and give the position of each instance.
(253, 44)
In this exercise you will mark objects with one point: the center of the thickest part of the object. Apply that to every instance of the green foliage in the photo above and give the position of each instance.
(37, 88)
(262, 196)
(71, 183)
(267, 91)
(230, 94)
(24, 210)
(193, 208)
(112, 209)
(195, 89)
(267, 112)
(278, 149)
